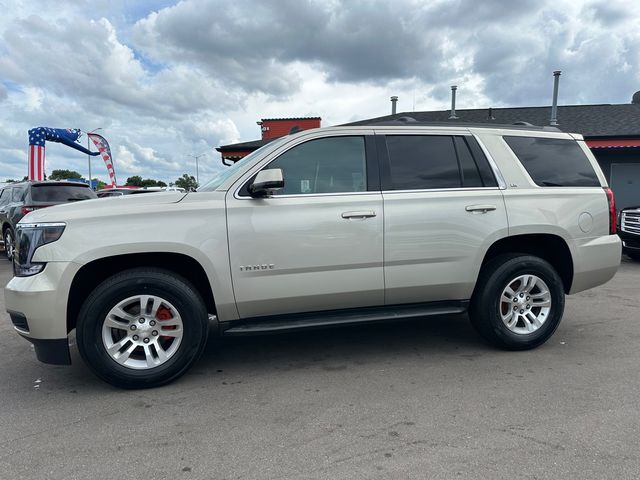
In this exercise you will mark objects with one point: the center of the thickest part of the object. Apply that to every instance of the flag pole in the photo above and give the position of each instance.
(89, 161)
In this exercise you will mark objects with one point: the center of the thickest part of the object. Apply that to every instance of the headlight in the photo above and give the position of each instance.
(30, 236)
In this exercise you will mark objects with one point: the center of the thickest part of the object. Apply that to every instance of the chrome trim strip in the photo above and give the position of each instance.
(308, 195)
(494, 166)
(428, 190)
(38, 225)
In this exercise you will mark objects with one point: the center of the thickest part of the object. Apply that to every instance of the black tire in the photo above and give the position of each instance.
(9, 242)
(142, 281)
(485, 307)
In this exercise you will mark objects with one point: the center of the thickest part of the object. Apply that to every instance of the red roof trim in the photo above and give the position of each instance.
(618, 143)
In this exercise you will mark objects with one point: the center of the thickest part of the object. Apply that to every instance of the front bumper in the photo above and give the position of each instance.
(630, 241)
(37, 306)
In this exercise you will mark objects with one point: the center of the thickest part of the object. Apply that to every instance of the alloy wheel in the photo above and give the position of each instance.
(142, 332)
(525, 304)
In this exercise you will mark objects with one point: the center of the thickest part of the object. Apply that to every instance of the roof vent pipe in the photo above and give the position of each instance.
(394, 101)
(453, 103)
(554, 105)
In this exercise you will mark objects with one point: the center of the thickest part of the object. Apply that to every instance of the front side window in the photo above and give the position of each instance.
(423, 162)
(554, 162)
(324, 165)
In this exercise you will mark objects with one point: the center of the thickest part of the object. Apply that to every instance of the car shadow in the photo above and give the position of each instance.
(361, 344)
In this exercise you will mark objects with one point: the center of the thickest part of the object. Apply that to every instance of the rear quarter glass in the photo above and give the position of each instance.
(553, 162)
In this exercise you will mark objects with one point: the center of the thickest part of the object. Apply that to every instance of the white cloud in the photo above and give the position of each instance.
(165, 82)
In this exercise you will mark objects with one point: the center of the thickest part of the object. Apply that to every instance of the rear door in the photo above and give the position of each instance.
(443, 209)
(316, 244)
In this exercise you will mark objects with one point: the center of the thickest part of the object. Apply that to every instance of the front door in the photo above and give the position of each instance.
(316, 244)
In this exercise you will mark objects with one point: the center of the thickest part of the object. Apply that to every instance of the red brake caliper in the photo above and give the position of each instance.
(165, 314)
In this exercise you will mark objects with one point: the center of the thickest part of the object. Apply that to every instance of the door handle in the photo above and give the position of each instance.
(359, 214)
(480, 208)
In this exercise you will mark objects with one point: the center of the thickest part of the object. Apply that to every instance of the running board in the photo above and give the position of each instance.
(333, 318)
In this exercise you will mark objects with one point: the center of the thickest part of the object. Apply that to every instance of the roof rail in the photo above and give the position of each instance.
(412, 122)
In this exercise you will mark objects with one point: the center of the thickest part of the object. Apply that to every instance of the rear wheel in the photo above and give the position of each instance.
(9, 243)
(142, 328)
(518, 302)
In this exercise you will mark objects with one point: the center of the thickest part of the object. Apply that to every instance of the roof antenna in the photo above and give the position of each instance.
(554, 105)
(453, 103)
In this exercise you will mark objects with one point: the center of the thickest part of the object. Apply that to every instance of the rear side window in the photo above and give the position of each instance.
(60, 193)
(422, 162)
(17, 194)
(554, 162)
(418, 162)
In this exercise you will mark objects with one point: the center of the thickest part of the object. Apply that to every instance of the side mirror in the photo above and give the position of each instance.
(266, 181)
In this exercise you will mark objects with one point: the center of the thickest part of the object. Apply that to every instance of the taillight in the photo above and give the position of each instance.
(613, 218)
(27, 208)
(30, 208)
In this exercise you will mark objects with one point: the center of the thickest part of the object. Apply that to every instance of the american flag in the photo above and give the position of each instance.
(36, 153)
(105, 152)
(37, 138)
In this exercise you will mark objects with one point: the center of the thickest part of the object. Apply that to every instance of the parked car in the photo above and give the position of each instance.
(18, 199)
(629, 231)
(327, 227)
(120, 191)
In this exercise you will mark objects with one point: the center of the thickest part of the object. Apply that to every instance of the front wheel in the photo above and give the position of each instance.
(142, 328)
(518, 302)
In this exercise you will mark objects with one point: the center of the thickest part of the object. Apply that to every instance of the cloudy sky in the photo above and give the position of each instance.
(166, 79)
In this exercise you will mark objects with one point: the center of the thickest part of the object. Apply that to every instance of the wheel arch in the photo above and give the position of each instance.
(550, 247)
(90, 275)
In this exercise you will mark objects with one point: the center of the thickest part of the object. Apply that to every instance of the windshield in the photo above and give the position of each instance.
(222, 177)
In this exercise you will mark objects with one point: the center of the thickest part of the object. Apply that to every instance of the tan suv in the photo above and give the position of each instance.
(326, 227)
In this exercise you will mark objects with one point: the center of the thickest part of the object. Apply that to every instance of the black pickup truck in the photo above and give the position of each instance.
(629, 231)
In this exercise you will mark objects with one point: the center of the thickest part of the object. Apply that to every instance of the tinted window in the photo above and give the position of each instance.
(17, 194)
(486, 172)
(421, 161)
(60, 193)
(4, 196)
(468, 168)
(553, 162)
(325, 165)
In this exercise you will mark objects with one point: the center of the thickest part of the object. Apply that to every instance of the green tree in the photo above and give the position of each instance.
(150, 182)
(99, 183)
(135, 181)
(62, 174)
(186, 181)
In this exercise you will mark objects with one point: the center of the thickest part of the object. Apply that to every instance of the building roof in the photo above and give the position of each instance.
(289, 118)
(604, 120)
(237, 147)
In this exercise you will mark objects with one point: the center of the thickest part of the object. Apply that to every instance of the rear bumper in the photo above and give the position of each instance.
(595, 261)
